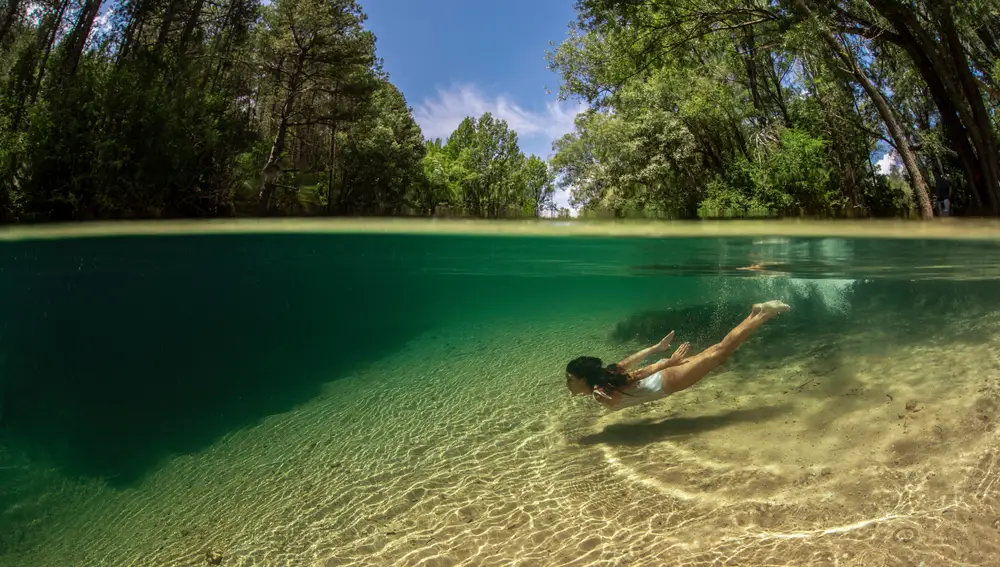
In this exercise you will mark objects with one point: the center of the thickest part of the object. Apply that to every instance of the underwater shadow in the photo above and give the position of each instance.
(652, 431)
(121, 352)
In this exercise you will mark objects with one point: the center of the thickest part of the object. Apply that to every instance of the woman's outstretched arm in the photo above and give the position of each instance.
(661, 346)
(679, 357)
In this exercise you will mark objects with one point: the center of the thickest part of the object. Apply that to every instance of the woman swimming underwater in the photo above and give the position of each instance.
(618, 386)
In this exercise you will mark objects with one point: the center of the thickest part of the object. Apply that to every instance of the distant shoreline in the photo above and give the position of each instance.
(951, 229)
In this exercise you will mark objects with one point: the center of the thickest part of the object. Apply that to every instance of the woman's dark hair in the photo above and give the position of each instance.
(592, 370)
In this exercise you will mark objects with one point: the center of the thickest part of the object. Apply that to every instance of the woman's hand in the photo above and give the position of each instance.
(664, 344)
(678, 358)
(680, 354)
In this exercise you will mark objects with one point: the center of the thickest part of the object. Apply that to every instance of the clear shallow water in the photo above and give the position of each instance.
(396, 399)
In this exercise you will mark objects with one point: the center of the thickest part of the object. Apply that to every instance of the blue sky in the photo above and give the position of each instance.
(458, 58)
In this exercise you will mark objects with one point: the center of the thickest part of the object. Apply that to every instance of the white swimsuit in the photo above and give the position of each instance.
(648, 389)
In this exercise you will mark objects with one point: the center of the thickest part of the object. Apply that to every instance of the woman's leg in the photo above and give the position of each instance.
(698, 366)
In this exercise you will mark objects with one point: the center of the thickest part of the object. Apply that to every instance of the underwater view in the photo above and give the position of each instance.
(388, 393)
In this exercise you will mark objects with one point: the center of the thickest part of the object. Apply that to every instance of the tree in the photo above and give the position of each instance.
(740, 76)
(899, 138)
(538, 187)
(382, 156)
(487, 149)
(320, 58)
(442, 182)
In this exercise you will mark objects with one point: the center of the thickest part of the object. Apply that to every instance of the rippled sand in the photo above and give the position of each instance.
(465, 449)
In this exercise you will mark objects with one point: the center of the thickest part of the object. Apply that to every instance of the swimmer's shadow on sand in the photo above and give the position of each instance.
(654, 430)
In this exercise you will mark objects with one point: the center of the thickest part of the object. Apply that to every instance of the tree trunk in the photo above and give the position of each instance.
(953, 126)
(956, 106)
(777, 96)
(333, 162)
(49, 42)
(981, 127)
(190, 25)
(78, 37)
(271, 169)
(898, 136)
(220, 45)
(895, 130)
(165, 23)
(13, 7)
(133, 30)
(750, 64)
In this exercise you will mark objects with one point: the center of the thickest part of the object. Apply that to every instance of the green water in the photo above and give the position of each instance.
(122, 357)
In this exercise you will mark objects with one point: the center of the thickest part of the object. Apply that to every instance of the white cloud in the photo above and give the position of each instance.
(536, 131)
(889, 162)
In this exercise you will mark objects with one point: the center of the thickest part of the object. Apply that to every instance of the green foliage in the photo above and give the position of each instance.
(791, 177)
(383, 153)
(199, 108)
(246, 175)
(890, 196)
(645, 155)
(728, 107)
(11, 197)
(175, 110)
(482, 170)
(443, 178)
(538, 188)
(487, 149)
(796, 174)
(579, 158)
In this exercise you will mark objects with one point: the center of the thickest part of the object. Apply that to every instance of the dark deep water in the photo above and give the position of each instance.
(118, 352)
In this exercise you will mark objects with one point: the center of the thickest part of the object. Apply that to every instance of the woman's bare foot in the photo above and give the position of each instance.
(769, 309)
